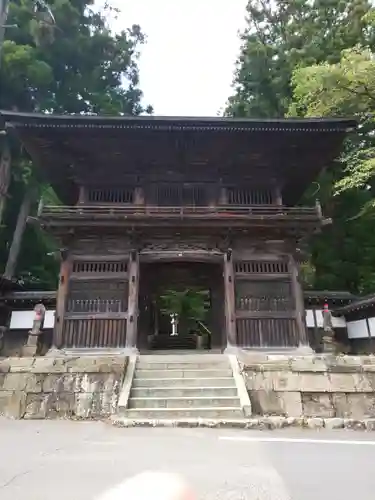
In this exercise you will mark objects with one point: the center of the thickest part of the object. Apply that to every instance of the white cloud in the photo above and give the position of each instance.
(187, 66)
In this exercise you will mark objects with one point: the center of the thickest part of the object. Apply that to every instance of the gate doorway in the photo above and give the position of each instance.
(181, 306)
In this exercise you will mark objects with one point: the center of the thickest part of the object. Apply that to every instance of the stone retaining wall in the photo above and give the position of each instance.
(311, 386)
(69, 387)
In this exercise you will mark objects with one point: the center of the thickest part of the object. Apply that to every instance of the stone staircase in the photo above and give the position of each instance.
(185, 386)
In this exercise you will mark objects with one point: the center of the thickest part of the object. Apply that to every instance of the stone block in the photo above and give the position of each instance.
(61, 405)
(4, 365)
(34, 383)
(308, 364)
(354, 406)
(334, 423)
(4, 398)
(36, 406)
(340, 404)
(15, 381)
(21, 365)
(344, 364)
(364, 382)
(370, 424)
(343, 382)
(314, 382)
(291, 403)
(93, 364)
(286, 381)
(256, 381)
(314, 423)
(15, 405)
(84, 403)
(109, 403)
(53, 383)
(49, 365)
(265, 403)
(317, 405)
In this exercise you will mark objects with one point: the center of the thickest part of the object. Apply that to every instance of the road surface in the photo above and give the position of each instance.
(60, 460)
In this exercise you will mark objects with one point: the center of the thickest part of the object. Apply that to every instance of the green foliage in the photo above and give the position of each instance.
(283, 35)
(190, 305)
(315, 58)
(345, 255)
(77, 66)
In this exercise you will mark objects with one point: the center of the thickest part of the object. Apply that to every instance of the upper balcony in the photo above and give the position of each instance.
(147, 215)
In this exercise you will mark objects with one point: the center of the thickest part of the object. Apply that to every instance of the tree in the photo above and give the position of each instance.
(345, 255)
(281, 35)
(190, 305)
(79, 66)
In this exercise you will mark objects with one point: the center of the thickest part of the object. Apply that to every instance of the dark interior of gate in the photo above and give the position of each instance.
(189, 282)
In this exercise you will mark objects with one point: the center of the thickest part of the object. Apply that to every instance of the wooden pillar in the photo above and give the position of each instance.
(229, 301)
(132, 321)
(61, 299)
(299, 302)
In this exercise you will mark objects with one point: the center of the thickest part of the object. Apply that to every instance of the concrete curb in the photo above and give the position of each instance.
(261, 423)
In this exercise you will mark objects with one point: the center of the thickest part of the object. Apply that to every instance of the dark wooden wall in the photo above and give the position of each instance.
(97, 303)
(265, 304)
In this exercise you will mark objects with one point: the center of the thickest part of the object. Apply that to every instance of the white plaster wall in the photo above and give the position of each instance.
(23, 320)
(358, 329)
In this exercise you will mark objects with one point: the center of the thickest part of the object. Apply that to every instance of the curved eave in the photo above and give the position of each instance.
(27, 120)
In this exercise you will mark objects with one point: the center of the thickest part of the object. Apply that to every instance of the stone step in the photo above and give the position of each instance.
(183, 382)
(183, 365)
(188, 392)
(172, 357)
(183, 402)
(144, 374)
(190, 422)
(174, 413)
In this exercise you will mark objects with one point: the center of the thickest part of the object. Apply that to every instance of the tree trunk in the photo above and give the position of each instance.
(19, 231)
(5, 161)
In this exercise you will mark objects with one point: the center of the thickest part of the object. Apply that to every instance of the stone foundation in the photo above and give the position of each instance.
(311, 386)
(64, 387)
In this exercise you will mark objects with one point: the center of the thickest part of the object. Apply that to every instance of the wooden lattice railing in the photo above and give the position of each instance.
(230, 211)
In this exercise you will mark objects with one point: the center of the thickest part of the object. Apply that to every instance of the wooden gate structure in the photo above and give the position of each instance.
(149, 189)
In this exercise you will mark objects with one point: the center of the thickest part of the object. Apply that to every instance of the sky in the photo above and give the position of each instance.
(187, 65)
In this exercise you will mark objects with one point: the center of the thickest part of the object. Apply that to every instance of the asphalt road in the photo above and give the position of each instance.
(60, 460)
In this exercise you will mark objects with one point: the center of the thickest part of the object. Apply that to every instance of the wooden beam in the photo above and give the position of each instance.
(133, 297)
(107, 315)
(265, 314)
(62, 294)
(299, 302)
(229, 300)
